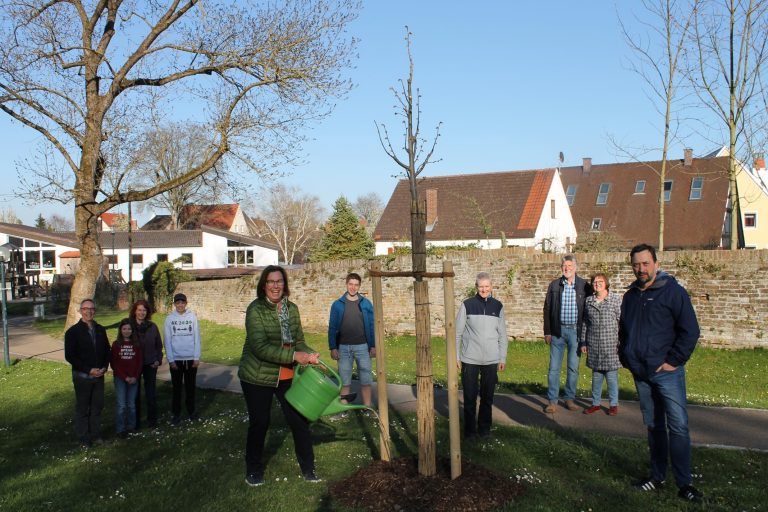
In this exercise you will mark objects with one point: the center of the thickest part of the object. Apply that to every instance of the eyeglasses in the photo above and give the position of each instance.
(279, 282)
(87, 309)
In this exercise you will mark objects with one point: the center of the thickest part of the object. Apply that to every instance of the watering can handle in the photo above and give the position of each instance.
(299, 370)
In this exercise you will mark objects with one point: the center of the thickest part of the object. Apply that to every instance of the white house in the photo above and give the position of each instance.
(52, 253)
(517, 208)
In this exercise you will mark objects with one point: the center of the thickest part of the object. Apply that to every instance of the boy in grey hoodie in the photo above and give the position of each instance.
(182, 348)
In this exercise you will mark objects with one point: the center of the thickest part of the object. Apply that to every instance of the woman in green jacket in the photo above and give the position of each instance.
(274, 342)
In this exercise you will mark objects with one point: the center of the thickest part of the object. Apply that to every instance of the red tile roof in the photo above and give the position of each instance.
(70, 254)
(468, 205)
(216, 215)
(634, 218)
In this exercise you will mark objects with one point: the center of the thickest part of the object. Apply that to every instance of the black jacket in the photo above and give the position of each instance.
(552, 305)
(81, 352)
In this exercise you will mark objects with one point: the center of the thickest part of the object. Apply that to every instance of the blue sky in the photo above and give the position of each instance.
(514, 83)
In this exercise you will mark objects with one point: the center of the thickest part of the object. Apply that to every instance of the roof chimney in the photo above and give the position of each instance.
(586, 166)
(687, 157)
(759, 161)
(431, 208)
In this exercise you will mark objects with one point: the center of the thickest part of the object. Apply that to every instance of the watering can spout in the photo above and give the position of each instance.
(337, 407)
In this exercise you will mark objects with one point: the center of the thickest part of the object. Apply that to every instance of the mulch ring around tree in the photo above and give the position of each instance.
(397, 486)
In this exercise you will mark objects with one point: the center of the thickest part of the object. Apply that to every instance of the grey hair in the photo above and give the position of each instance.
(569, 257)
(483, 276)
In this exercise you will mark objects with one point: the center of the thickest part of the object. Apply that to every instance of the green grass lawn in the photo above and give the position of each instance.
(200, 466)
(737, 378)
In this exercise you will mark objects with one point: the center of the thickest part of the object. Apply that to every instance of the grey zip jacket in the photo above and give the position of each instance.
(481, 332)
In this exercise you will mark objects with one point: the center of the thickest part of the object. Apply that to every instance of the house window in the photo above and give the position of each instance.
(49, 259)
(667, 190)
(750, 220)
(162, 257)
(239, 257)
(137, 259)
(112, 259)
(552, 208)
(602, 193)
(640, 187)
(697, 184)
(570, 194)
(596, 224)
(185, 259)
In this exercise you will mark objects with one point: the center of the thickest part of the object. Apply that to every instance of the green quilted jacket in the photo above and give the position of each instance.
(263, 352)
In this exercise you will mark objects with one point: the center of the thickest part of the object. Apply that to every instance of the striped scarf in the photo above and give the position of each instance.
(282, 316)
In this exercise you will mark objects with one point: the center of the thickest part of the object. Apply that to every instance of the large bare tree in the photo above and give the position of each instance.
(658, 57)
(174, 150)
(418, 154)
(86, 75)
(725, 65)
(290, 218)
(369, 206)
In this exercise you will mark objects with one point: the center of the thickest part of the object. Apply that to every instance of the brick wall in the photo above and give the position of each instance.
(729, 290)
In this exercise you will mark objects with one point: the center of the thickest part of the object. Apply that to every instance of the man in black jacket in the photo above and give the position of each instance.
(563, 315)
(87, 349)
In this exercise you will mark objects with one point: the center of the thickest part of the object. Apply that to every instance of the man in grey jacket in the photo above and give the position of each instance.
(481, 347)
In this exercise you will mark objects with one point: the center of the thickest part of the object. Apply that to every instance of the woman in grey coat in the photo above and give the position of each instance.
(600, 333)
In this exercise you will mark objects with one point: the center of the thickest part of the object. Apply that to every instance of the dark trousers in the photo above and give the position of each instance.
(184, 375)
(149, 375)
(89, 402)
(258, 399)
(469, 381)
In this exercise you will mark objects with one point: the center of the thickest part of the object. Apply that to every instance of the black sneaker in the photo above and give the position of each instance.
(254, 479)
(649, 484)
(690, 493)
(310, 476)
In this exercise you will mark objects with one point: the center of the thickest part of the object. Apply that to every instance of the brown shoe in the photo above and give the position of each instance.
(613, 410)
(550, 408)
(571, 405)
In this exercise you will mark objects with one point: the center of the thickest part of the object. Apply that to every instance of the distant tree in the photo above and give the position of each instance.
(170, 152)
(290, 218)
(343, 236)
(370, 207)
(40, 222)
(9, 216)
(58, 223)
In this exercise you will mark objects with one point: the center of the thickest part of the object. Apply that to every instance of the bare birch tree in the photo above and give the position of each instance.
(370, 207)
(85, 74)
(418, 154)
(658, 63)
(290, 218)
(724, 66)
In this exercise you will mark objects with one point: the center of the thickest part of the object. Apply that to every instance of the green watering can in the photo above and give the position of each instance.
(314, 394)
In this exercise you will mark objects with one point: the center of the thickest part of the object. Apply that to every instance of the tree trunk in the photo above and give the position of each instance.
(91, 261)
(425, 400)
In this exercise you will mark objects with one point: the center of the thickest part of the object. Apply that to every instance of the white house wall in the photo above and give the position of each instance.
(561, 230)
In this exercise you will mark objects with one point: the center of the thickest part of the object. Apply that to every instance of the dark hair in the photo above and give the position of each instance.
(600, 274)
(140, 302)
(353, 275)
(260, 292)
(125, 321)
(643, 247)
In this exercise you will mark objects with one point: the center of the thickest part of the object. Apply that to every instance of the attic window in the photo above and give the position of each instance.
(602, 193)
(596, 224)
(640, 187)
(667, 190)
(570, 194)
(750, 220)
(697, 183)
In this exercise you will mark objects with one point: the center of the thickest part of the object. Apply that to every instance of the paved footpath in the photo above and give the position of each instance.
(710, 426)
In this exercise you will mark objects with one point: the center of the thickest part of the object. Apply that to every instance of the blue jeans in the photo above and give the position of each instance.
(126, 402)
(359, 353)
(663, 403)
(557, 348)
(612, 376)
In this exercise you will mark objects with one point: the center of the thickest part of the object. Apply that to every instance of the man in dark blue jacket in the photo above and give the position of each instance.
(87, 349)
(657, 334)
(351, 337)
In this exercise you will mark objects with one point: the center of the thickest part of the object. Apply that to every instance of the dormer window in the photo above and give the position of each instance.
(667, 191)
(602, 193)
(570, 194)
(697, 184)
(640, 187)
